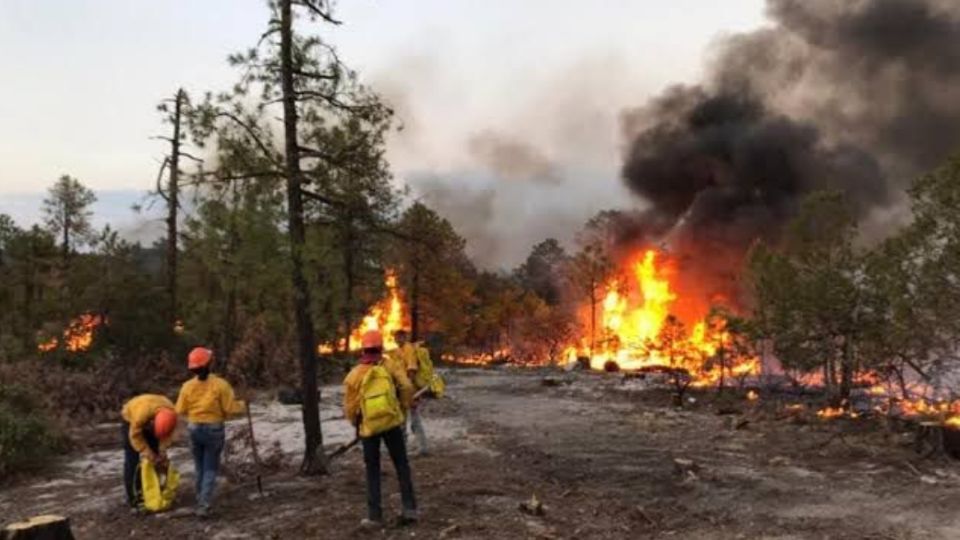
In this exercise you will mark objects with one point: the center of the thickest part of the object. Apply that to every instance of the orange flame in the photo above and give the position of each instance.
(481, 359)
(386, 316)
(77, 337)
(637, 331)
(830, 412)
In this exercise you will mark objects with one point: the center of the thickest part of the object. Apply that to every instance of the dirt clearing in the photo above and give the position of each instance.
(607, 459)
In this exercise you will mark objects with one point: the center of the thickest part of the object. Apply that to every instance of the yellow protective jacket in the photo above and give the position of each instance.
(138, 412)
(409, 356)
(354, 379)
(395, 363)
(208, 402)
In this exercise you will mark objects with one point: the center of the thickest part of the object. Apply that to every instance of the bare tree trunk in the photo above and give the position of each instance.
(593, 314)
(348, 266)
(722, 356)
(829, 377)
(230, 316)
(902, 382)
(846, 369)
(173, 203)
(314, 461)
(415, 303)
(66, 238)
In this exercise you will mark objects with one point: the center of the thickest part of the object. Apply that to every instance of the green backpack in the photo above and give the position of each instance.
(379, 405)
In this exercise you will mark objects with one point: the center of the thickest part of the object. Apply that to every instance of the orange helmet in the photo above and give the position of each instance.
(199, 357)
(164, 422)
(372, 339)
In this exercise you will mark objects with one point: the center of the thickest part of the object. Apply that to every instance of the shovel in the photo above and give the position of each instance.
(342, 449)
(253, 446)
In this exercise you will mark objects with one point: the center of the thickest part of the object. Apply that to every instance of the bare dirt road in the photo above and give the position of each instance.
(608, 458)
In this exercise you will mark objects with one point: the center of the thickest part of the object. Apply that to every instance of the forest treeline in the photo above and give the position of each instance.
(282, 217)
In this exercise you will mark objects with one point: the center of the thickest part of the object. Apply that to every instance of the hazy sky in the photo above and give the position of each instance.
(81, 80)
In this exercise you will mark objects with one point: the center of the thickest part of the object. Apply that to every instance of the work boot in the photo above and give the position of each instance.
(202, 512)
(370, 524)
(408, 517)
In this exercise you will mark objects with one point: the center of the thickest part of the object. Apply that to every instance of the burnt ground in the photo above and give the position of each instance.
(600, 453)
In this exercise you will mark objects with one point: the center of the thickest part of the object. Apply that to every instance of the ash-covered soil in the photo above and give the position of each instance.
(607, 457)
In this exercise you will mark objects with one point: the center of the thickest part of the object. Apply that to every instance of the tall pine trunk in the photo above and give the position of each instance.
(173, 203)
(846, 369)
(415, 303)
(593, 314)
(314, 461)
(348, 274)
(230, 313)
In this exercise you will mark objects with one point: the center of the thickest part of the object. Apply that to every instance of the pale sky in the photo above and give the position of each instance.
(81, 80)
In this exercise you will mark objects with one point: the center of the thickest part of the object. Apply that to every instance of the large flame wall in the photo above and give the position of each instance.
(638, 327)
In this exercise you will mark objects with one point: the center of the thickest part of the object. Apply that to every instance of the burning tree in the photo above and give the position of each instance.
(737, 338)
(387, 315)
(638, 308)
(673, 346)
(810, 296)
(77, 336)
(433, 270)
(592, 266)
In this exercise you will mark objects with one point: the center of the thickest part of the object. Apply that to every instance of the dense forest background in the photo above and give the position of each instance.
(283, 219)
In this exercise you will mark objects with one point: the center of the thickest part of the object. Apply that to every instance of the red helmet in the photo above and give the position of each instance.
(164, 422)
(372, 339)
(199, 357)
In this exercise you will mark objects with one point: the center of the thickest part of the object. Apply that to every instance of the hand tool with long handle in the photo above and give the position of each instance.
(342, 449)
(253, 446)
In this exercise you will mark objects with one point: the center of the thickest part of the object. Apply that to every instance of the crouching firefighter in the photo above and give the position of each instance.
(149, 421)
(376, 397)
(207, 401)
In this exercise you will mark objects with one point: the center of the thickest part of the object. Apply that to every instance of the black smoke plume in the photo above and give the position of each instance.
(858, 96)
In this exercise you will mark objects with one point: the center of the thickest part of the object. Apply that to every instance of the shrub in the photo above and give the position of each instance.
(27, 435)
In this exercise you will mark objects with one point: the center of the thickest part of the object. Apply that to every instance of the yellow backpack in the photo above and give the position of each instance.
(426, 376)
(158, 496)
(379, 406)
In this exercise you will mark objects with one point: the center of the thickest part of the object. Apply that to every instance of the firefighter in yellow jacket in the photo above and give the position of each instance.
(408, 355)
(376, 396)
(207, 401)
(148, 424)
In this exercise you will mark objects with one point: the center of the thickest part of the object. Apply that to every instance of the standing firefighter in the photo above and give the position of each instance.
(149, 421)
(415, 359)
(207, 401)
(375, 398)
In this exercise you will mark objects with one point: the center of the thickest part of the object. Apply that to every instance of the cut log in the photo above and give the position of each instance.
(933, 439)
(929, 439)
(39, 528)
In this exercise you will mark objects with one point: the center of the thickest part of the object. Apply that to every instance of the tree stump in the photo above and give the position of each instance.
(39, 528)
(933, 439)
(929, 439)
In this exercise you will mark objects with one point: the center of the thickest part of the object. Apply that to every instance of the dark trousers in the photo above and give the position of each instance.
(131, 458)
(398, 454)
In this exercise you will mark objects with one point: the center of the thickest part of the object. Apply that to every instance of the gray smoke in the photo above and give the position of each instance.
(858, 96)
(519, 168)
